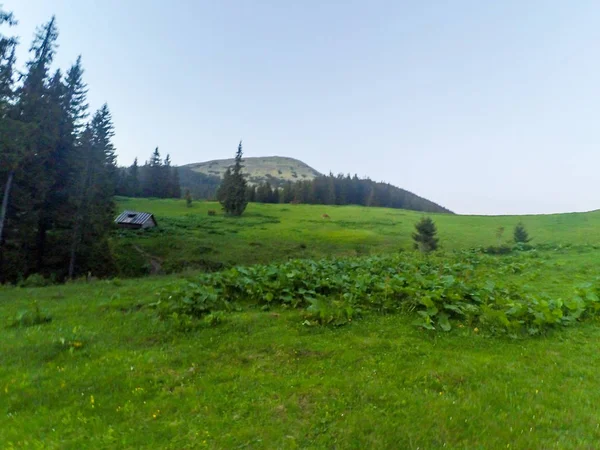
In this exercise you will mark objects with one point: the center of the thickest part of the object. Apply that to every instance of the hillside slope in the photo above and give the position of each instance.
(300, 183)
(188, 238)
(261, 169)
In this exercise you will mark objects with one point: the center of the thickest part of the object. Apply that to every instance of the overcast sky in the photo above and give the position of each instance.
(484, 107)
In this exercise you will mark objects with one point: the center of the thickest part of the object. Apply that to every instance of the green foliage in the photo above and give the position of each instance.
(62, 168)
(190, 300)
(425, 236)
(232, 192)
(188, 198)
(329, 312)
(340, 190)
(202, 186)
(132, 367)
(35, 280)
(335, 291)
(31, 317)
(71, 340)
(156, 178)
(520, 234)
(299, 231)
(498, 250)
(214, 318)
(129, 261)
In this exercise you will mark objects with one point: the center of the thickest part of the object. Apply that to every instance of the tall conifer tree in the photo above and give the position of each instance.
(232, 192)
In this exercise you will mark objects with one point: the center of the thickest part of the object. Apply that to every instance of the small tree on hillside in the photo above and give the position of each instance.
(188, 198)
(232, 192)
(520, 234)
(499, 235)
(425, 237)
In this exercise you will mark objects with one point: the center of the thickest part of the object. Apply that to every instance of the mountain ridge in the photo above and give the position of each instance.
(260, 169)
(288, 179)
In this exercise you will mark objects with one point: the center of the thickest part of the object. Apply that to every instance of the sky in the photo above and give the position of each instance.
(482, 107)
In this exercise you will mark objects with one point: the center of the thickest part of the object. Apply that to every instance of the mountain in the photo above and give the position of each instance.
(291, 180)
(274, 169)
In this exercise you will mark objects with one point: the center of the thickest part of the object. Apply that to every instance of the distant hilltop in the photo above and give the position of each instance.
(274, 169)
(203, 179)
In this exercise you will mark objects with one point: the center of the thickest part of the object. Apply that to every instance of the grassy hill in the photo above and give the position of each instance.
(94, 364)
(303, 184)
(269, 168)
(188, 238)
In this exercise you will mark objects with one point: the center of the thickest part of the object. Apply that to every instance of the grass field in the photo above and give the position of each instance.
(107, 372)
(189, 238)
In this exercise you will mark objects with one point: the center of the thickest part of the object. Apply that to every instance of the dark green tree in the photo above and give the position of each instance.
(232, 192)
(166, 180)
(170, 180)
(134, 179)
(96, 208)
(251, 193)
(57, 173)
(175, 183)
(152, 179)
(38, 109)
(287, 193)
(520, 234)
(425, 235)
(8, 127)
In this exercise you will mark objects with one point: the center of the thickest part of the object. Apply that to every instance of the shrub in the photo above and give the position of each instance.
(35, 280)
(214, 318)
(31, 317)
(190, 300)
(424, 238)
(498, 250)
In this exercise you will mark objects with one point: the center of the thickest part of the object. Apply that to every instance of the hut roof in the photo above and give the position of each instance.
(134, 217)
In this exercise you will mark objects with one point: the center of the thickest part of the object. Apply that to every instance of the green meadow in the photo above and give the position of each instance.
(188, 238)
(94, 364)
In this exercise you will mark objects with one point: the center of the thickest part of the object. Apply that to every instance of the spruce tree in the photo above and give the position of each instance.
(57, 175)
(166, 180)
(520, 234)
(175, 183)
(152, 180)
(76, 97)
(8, 45)
(8, 126)
(134, 179)
(96, 208)
(287, 194)
(425, 236)
(169, 182)
(38, 109)
(232, 192)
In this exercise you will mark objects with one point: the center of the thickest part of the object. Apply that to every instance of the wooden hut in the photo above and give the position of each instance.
(135, 220)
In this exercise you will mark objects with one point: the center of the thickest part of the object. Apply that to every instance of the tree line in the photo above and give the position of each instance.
(234, 192)
(341, 190)
(57, 165)
(156, 178)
